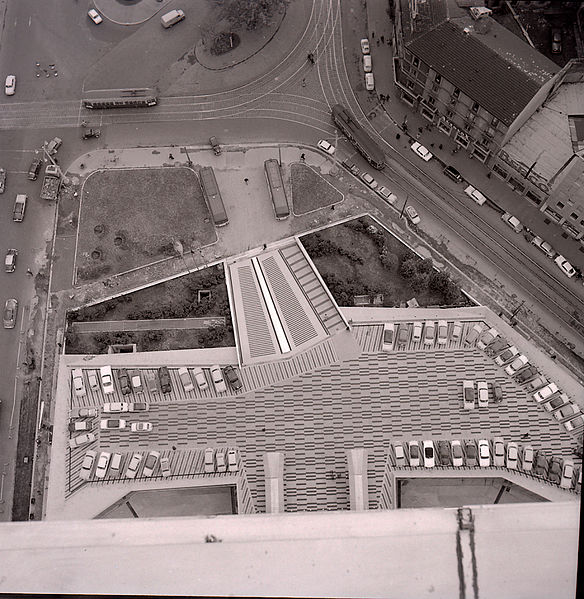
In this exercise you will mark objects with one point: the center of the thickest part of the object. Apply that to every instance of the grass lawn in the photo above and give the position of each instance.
(132, 217)
(310, 190)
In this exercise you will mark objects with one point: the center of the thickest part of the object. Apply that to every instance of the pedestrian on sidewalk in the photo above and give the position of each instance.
(170, 157)
(29, 272)
(382, 39)
(246, 180)
(373, 35)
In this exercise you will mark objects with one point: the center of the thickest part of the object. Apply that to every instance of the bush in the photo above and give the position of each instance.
(388, 259)
(443, 284)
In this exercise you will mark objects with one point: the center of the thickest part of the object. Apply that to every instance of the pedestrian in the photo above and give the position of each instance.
(431, 145)
(265, 248)
(383, 39)
(246, 180)
(440, 146)
(525, 436)
(373, 35)
(303, 157)
(170, 157)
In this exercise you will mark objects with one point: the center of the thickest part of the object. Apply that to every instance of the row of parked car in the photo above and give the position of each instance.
(469, 396)
(430, 331)
(367, 65)
(485, 454)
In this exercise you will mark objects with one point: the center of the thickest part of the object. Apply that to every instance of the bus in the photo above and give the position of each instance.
(120, 98)
(213, 196)
(276, 187)
(346, 122)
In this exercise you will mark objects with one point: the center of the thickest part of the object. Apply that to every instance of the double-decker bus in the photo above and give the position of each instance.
(213, 196)
(120, 98)
(348, 125)
(276, 187)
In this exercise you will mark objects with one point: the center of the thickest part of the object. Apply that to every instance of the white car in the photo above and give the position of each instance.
(518, 363)
(429, 332)
(475, 195)
(185, 379)
(87, 465)
(102, 464)
(421, 151)
(165, 466)
(95, 16)
(200, 378)
(325, 146)
(506, 355)
(557, 402)
(456, 330)
(150, 463)
(498, 451)
(484, 453)
(567, 474)
(487, 338)
(429, 454)
(527, 461)
(442, 332)
(544, 246)
(399, 453)
(141, 427)
(93, 382)
(10, 85)
(112, 424)
(232, 460)
(369, 82)
(568, 411)
(371, 182)
(574, 423)
(136, 381)
(367, 63)
(457, 453)
(220, 460)
(412, 215)
(365, 45)
(107, 380)
(209, 460)
(132, 468)
(417, 331)
(512, 221)
(388, 336)
(512, 455)
(468, 395)
(483, 393)
(217, 376)
(115, 463)
(473, 334)
(414, 451)
(386, 194)
(78, 384)
(83, 439)
(116, 407)
(565, 266)
(545, 392)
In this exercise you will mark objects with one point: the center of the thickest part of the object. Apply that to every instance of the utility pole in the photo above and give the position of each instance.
(189, 161)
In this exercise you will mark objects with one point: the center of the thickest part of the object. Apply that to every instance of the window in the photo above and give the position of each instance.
(435, 89)
(416, 61)
(456, 92)
(574, 216)
(467, 126)
(560, 204)
(431, 101)
(495, 121)
(410, 84)
(449, 113)
(500, 171)
(534, 198)
(437, 78)
(475, 107)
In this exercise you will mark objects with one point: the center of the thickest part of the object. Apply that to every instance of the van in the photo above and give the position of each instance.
(172, 18)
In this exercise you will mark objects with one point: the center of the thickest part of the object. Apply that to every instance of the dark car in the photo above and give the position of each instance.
(164, 378)
(497, 393)
(523, 375)
(471, 453)
(403, 334)
(555, 471)
(541, 465)
(34, 169)
(451, 172)
(556, 41)
(10, 313)
(498, 345)
(232, 378)
(90, 132)
(124, 380)
(444, 456)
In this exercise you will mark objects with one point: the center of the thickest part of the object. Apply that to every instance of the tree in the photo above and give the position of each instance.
(252, 14)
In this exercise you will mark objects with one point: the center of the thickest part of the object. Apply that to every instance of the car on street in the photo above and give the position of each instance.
(124, 381)
(386, 194)
(209, 460)
(90, 132)
(231, 376)
(412, 215)
(523, 375)
(506, 355)
(457, 453)
(498, 451)
(115, 407)
(483, 394)
(568, 411)
(512, 455)
(487, 338)
(540, 465)
(369, 180)
(555, 470)
(473, 334)
(107, 380)
(232, 460)
(217, 377)
(474, 194)
(87, 465)
(136, 381)
(220, 461)
(165, 466)
(456, 330)
(470, 449)
(403, 334)
(78, 383)
(10, 313)
(133, 465)
(94, 16)
(518, 363)
(54, 145)
(417, 331)
(429, 454)
(556, 402)
(453, 174)
(444, 456)
(325, 146)
(556, 41)
(2, 180)
(388, 336)
(369, 82)
(574, 423)
(429, 332)
(545, 392)
(484, 454)
(544, 246)
(200, 379)
(83, 413)
(468, 395)
(497, 392)
(414, 453)
(421, 151)
(150, 463)
(102, 464)
(78, 426)
(512, 221)
(367, 63)
(399, 454)
(164, 378)
(567, 474)
(141, 427)
(536, 383)
(527, 460)
(565, 266)
(185, 379)
(81, 440)
(365, 46)
(10, 85)
(34, 169)
(442, 332)
(112, 424)
(139, 406)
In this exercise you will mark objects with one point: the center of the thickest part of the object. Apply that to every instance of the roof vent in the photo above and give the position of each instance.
(480, 12)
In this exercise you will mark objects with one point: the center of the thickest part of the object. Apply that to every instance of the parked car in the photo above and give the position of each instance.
(325, 146)
(136, 381)
(10, 85)
(112, 424)
(512, 455)
(83, 413)
(456, 330)
(470, 450)
(54, 145)
(484, 454)
(417, 331)
(152, 382)
(220, 461)
(209, 460)
(556, 41)
(369, 180)
(429, 454)
(185, 379)
(87, 465)
(545, 392)
(399, 453)
(79, 425)
(497, 392)
(487, 338)
(107, 380)
(102, 464)
(442, 332)
(518, 363)
(498, 345)
(165, 466)
(429, 332)
(567, 474)
(513, 222)
(473, 334)
(2, 180)
(78, 384)
(164, 378)
(544, 246)
(483, 393)
(498, 451)
(388, 336)
(115, 463)
(10, 313)
(83, 439)
(90, 132)
(414, 451)
(365, 45)
(232, 460)
(523, 375)
(386, 194)
(150, 463)
(133, 465)
(555, 470)
(217, 377)
(92, 379)
(116, 407)
(468, 395)
(200, 379)
(231, 376)
(403, 334)
(124, 381)
(457, 454)
(536, 383)
(139, 406)
(444, 456)
(565, 266)
(474, 194)
(367, 63)
(540, 466)
(94, 16)
(369, 82)
(412, 215)
(568, 411)
(506, 355)
(141, 427)
(574, 423)
(527, 461)
(34, 169)
(421, 151)
(453, 174)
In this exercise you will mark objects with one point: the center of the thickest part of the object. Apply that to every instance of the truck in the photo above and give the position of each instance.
(19, 208)
(51, 183)
(2, 180)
